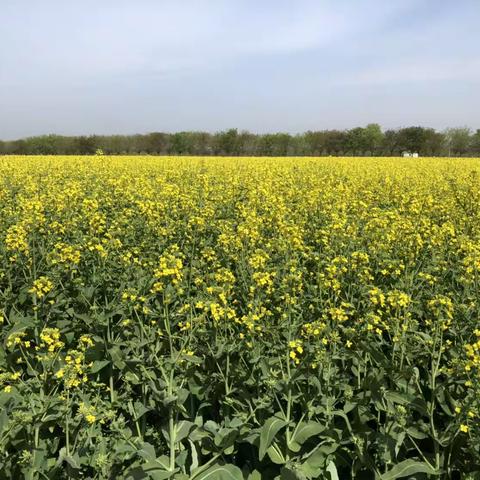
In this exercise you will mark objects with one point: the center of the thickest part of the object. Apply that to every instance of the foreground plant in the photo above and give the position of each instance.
(220, 318)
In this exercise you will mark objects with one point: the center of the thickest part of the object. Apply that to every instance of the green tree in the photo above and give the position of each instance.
(85, 145)
(475, 143)
(227, 142)
(458, 141)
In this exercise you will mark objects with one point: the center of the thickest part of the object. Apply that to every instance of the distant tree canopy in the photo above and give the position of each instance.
(366, 141)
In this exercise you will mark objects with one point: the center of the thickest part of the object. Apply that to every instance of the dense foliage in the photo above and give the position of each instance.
(233, 318)
(367, 141)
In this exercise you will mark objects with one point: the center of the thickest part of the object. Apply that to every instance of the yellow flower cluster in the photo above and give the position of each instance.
(442, 308)
(16, 241)
(169, 269)
(41, 287)
(66, 255)
(296, 349)
(16, 339)
(74, 371)
(473, 354)
(88, 412)
(398, 300)
(50, 339)
(8, 380)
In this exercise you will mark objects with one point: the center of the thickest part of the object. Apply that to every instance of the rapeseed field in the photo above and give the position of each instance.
(239, 318)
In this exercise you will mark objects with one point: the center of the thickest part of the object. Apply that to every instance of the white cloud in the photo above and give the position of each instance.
(87, 40)
(415, 72)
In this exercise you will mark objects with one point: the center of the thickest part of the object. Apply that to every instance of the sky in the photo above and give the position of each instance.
(81, 67)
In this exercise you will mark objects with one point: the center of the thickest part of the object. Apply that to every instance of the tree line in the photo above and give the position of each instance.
(361, 141)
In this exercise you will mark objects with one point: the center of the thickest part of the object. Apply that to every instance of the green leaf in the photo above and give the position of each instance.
(416, 433)
(305, 430)
(117, 357)
(219, 472)
(99, 365)
(400, 398)
(276, 455)
(3, 420)
(181, 458)
(407, 399)
(140, 410)
(147, 451)
(267, 433)
(332, 470)
(407, 468)
(317, 458)
(289, 474)
(155, 472)
(183, 429)
(225, 437)
(193, 451)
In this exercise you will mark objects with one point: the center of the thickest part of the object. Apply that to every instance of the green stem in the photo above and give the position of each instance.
(67, 431)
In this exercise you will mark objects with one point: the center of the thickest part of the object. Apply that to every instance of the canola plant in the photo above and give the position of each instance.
(239, 318)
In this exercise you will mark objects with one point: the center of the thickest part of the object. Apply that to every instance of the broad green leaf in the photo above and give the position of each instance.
(140, 410)
(416, 433)
(289, 474)
(305, 430)
(400, 398)
(194, 453)
(99, 365)
(317, 458)
(117, 357)
(219, 472)
(332, 470)
(267, 433)
(225, 437)
(407, 468)
(147, 451)
(275, 455)
(156, 472)
(407, 399)
(183, 429)
(181, 458)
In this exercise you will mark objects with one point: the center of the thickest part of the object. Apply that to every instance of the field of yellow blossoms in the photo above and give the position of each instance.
(239, 318)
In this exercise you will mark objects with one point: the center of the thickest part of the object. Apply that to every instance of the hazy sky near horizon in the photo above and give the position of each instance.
(118, 66)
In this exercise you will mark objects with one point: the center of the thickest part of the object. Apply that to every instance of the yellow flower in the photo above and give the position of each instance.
(90, 418)
(88, 412)
(15, 339)
(41, 287)
(464, 428)
(50, 338)
(85, 342)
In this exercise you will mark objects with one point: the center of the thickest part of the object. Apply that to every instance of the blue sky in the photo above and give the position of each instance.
(117, 66)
